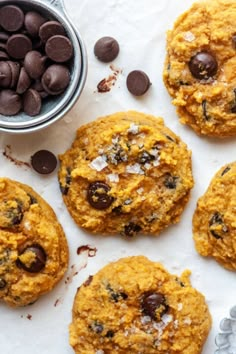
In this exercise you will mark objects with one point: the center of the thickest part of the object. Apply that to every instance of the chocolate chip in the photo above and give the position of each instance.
(116, 295)
(50, 29)
(23, 82)
(64, 189)
(10, 103)
(110, 334)
(32, 102)
(204, 110)
(18, 45)
(96, 327)
(97, 195)
(11, 18)
(154, 305)
(88, 281)
(55, 79)
(117, 210)
(138, 82)
(227, 169)
(33, 21)
(106, 49)
(3, 55)
(117, 154)
(217, 220)
(15, 215)
(44, 161)
(131, 229)
(34, 64)
(33, 200)
(170, 181)
(38, 261)
(15, 72)
(203, 65)
(5, 74)
(37, 85)
(11, 214)
(3, 283)
(145, 157)
(59, 48)
(4, 37)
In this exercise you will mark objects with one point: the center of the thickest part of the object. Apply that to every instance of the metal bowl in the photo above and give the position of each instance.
(55, 107)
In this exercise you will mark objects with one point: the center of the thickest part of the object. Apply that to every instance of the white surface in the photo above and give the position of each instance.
(139, 26)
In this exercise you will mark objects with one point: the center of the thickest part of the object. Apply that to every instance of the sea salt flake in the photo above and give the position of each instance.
(176, 324)
(100, 351)
(189, 36)
(142, 135)
(113, 177)
(147, 166)
(156, 163)
(99, 163)
(101, 151)
(145, 319)
(167, 319)
(180, 306)
(154, 152)
(134, 169)
(187, 321)
(140, 190)
(115, 139)
(134, 128)
(27, 225)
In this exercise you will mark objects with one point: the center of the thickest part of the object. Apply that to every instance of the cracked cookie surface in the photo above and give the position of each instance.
(126, 173)
(33, 247)
(214, 220)
(200, 67)
(135, 306)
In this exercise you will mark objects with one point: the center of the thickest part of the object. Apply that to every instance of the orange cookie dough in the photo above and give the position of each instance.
(33, 247)
(126, 173)
(214, 220)
(200, 67)
(135, 306)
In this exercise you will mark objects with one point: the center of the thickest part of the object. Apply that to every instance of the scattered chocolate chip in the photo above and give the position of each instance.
(203, 65)
(10, 102)
(59, 48)
(97, 195)
(18, 45)
(4, 37)
(24, 82)
(154, 305)
(138, 82)
(3, 283)
(110, 334)
(34, 64)
(11, 18)
(88, 281)
(3, 55)
(217, 220)
(50, 29)
(55, 79)
(37, 85)
(131, 229)
(145, 157)
(170, 181)
(39, 261)
(32, 102)
(106, 49)
(44, 162)
(204, 110)
(227, 169)
(96, 327)
(15, 72)
(33, 21)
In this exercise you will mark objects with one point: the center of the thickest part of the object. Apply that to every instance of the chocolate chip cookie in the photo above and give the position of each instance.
(214, 220)
(33, 247)
(135, 306)
(200, 67)
(126, 173)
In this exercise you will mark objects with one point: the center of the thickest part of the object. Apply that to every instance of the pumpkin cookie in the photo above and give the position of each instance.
(135, 306)
(126, 173)
(33, 247)
(214, 220)
(200, 67)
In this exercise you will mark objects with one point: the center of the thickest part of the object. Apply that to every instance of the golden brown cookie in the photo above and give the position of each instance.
(33, 247)
(200, 67)
(126, 173)
(135, 306)
(214, 220)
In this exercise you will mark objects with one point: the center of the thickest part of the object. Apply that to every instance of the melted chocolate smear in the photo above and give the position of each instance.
(8, 154)
(86, 248)
(106, 84)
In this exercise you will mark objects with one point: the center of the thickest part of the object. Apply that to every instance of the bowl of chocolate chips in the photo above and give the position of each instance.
(43, 64)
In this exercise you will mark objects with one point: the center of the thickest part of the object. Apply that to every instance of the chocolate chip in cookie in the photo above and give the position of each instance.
(154, 305)
(203, 65)
(98, 196)
(32, 259)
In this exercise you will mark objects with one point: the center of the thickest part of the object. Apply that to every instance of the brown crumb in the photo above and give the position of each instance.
(86, 248)
(106, 84)
(29, 317)
(8, 154)
(56, 302)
